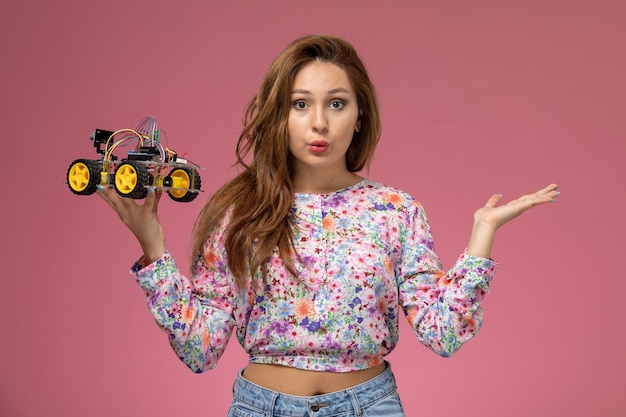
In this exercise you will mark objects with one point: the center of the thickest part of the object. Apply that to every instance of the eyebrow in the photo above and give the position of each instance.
(333, 91)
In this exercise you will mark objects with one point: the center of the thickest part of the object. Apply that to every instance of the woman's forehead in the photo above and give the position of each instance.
(318, 76)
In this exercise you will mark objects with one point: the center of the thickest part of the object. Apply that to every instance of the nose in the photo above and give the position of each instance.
(320, 120)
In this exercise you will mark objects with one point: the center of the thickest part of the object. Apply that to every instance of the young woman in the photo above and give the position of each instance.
(308, 262)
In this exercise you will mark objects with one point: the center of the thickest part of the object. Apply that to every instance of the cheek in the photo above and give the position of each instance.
(294, 127)
(292, 134)
(348, 128)
(298, 130)
(349, 122)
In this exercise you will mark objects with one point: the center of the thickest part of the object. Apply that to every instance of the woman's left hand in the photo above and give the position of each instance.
(489, 218)
(495, 216)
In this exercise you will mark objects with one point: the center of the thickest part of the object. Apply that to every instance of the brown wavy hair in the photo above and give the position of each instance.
(259, 199)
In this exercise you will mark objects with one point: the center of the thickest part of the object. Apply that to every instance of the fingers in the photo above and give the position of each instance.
(494, 200)
(152, 199)
(551, 187)
(547, 194)
(495, 216)
(157, 198)
(553, 191)
(127, 208)
(107, 194)
(111, 196)
(117, 201)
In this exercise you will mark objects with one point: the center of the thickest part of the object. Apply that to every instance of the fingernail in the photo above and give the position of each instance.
(150, 190)
(99, 187)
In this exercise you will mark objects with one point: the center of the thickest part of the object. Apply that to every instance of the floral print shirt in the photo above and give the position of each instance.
(365, 252)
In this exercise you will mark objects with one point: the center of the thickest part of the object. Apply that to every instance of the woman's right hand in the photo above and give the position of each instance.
(141, 219)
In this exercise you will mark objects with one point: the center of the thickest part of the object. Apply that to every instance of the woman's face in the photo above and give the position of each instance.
(322, 120)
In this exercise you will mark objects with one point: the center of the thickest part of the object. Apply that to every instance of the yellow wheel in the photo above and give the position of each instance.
(184, 183)
(83, 176)
(131, 179)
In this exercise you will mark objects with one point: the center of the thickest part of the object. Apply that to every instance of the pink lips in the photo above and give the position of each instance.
(318, 146)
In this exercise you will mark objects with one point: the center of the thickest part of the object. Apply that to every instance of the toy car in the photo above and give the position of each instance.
(148, 165)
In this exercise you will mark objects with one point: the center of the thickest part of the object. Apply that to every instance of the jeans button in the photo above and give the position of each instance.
(315, 407)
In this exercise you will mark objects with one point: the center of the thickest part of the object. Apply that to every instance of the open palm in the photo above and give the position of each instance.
(495, 216)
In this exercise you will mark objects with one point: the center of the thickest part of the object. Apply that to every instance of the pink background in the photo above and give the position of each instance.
(477, 97)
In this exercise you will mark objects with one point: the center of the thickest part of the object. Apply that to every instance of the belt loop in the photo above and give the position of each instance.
(235, 382)
(272, 403)
(355, 402)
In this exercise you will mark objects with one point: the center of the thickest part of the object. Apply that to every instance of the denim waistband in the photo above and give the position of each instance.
(348, 400)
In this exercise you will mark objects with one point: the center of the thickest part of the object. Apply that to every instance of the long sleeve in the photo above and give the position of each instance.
(443, 308)
(197, 314)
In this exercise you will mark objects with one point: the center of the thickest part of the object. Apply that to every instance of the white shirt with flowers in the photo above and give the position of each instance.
(365, 253)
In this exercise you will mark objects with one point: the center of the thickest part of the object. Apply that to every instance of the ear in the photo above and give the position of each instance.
(357, 127)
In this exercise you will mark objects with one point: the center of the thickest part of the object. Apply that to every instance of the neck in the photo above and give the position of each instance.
(323, 182)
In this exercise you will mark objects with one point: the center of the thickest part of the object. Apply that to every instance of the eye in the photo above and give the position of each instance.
(337, 104)
(299, 105)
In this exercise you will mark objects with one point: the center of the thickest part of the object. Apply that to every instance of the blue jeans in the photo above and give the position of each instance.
(373, 398)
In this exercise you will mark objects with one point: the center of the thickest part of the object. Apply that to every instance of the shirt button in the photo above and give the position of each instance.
(315, 407)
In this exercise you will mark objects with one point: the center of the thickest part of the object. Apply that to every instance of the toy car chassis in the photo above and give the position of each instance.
(149, 165)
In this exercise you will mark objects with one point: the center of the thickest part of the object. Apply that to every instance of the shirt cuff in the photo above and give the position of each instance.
(475, 265)
(152, 276)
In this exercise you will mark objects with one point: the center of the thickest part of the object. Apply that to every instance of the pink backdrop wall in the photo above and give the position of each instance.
(477, 97)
